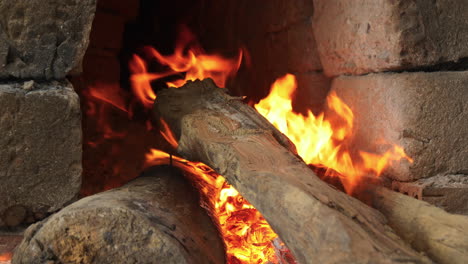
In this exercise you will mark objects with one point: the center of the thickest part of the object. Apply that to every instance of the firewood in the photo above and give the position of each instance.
(443, 236)
(317, 222)
(152, 219)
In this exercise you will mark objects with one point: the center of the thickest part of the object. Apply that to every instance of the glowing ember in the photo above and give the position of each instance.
(247, 235)
(321, 141)
(188, 58)
(5, 258)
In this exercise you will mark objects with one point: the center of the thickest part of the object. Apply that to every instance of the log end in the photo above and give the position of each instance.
(156, 218)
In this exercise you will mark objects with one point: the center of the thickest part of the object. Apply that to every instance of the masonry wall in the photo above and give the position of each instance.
(41, 43)
(401, 67)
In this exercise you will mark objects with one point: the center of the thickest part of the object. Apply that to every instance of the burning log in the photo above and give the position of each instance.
(154, 218)
(318, 223)
(443, 236)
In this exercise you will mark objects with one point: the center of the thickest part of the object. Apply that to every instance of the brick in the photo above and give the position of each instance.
(362, 36)
(449, 192)
(43, 39)
(426, 113)
(40, 161)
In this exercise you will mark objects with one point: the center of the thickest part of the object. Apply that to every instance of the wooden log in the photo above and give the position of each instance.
(427, 228)
(443, 236)
(317, 222)
(153, 219)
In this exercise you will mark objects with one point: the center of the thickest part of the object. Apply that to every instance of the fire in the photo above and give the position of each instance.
(248, 237)
(188, 58)
(5, 257)
(322, 141)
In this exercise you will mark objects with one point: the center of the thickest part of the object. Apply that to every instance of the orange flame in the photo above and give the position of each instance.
(167, 134)
(247, 235)
(194, 63)
(322, 141)
(6, 256)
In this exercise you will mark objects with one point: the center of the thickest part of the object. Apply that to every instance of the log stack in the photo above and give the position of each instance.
(155, 218)
(317, 222)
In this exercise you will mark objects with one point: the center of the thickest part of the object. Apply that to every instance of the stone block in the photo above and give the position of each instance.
(424, 112)
(43, 39)
(248, 19)
(294, 49)
(362, 36)
(40, 157)
(311, 93)
(277, 15)
(272, 55)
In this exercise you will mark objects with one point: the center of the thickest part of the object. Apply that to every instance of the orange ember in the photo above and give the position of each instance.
(188, 58)
(248, 237)
(321, 141)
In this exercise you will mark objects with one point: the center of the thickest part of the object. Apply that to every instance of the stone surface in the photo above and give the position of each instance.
(293, 49)
(40, 157)
(43, 39)
(274, 15)
(425, 113)
(361, 36)
(311, 93)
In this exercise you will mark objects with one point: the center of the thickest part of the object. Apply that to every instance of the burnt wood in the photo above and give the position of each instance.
(152, 219)
(317, 222)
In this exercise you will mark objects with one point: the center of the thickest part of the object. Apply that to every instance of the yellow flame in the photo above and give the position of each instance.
(322, 141)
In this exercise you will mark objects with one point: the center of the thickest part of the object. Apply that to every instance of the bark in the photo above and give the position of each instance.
(317, 222)
(443, 236)
(152, 219)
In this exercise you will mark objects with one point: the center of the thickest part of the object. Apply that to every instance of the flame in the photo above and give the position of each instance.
(141, 79)
(188, 58)
(102, 99)
(247, 235)
(322, 141)
(167, 134)
(6, 256)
